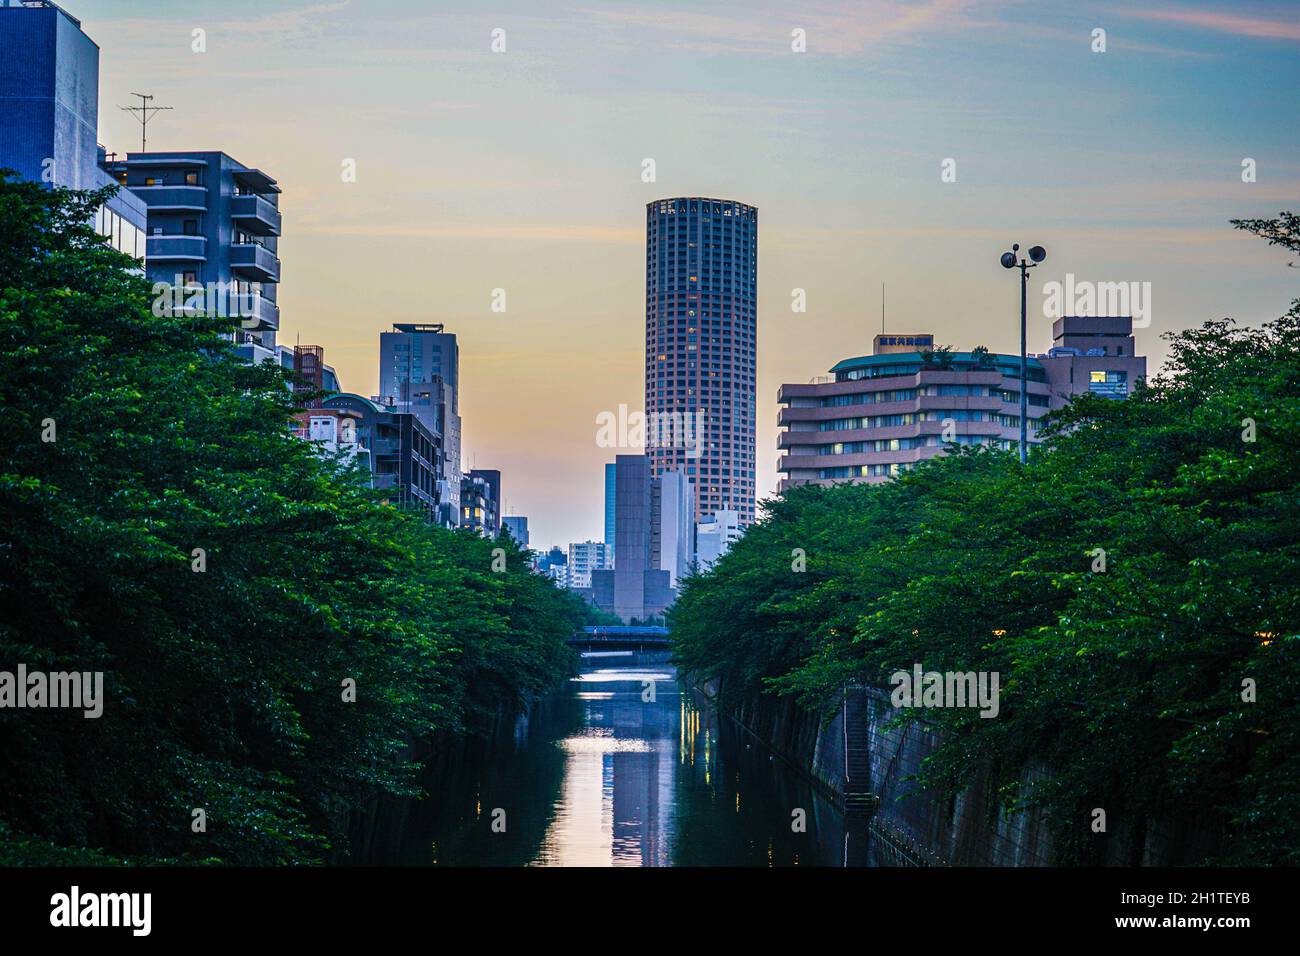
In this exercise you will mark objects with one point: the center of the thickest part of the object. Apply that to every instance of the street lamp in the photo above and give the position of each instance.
(1037, 254)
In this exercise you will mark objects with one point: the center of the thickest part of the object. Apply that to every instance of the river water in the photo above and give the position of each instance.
(623, 767)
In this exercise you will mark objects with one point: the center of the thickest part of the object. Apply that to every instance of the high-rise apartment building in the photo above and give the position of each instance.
(49, 113)
(419, 371)
(701, 332)
(887, 411)
(214, 227)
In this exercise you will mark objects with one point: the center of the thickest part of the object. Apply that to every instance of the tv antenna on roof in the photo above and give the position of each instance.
(145, 114)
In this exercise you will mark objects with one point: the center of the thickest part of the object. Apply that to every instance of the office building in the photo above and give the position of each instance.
(419, 371)
(701, 337)
(49, 113)
(887, 411)
(214, 227)
(517, 527)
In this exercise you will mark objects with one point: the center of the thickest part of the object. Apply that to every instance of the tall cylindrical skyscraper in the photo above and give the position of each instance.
(701, 308)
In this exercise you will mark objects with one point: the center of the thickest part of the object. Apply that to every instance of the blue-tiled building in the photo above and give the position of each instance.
(49, 112)
(213, 223)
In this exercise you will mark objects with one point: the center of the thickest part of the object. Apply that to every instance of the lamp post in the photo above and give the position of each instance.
(1037, 254)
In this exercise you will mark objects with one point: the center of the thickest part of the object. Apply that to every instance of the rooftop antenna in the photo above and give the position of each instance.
(144, 112)
(882, 308)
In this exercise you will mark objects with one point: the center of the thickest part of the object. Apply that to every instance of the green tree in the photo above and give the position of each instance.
(1135, 586)
(225, 687)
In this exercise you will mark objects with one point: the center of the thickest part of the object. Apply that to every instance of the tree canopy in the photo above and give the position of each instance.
(225, 687)
(1136, 586)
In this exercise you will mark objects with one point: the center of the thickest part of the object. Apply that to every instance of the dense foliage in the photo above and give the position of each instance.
(224, 687)
(1127, 681)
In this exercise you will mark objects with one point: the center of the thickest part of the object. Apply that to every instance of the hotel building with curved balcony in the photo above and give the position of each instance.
(877, 415)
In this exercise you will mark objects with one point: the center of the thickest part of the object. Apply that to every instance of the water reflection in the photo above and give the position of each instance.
(622, 768)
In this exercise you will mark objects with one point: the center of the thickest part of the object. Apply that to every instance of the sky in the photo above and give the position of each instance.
(522, 170)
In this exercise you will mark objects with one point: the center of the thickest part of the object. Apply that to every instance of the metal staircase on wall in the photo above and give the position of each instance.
(859, 799)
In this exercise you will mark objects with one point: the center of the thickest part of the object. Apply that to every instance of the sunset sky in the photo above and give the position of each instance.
(522, 170)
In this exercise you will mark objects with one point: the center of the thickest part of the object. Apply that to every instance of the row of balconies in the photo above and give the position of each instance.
(248, 260)
(793, 458)
(829, 413)
(249, 211)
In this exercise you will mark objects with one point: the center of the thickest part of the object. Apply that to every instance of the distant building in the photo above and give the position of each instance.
(517, 527)
(419, 372)
(1095, 355)
(334, 430)
(586, 557)
(308, 362)
(404, 454)
(480, 502)
(555, 565)
(885, 412)
(611, 485)
(638, 588)
(672, 525)
(715, 536)
(49, 113)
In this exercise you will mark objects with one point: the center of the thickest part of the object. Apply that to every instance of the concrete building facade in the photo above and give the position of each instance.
(635, 589)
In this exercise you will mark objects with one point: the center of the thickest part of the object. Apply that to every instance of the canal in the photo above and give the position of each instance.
(622, 767)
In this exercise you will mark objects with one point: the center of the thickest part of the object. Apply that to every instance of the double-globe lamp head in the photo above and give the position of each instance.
(1036, 253)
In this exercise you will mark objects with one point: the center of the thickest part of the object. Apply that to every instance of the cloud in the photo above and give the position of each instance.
(838, 28)
(1221, 22)
(525, 232)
